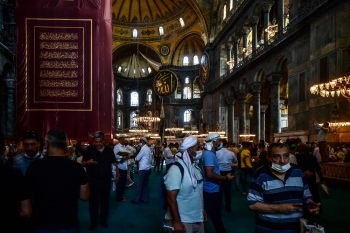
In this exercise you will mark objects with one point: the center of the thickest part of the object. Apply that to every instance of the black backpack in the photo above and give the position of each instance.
(162, 189)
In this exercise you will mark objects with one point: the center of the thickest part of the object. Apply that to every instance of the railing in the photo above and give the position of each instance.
(337, 171)
(280, 36)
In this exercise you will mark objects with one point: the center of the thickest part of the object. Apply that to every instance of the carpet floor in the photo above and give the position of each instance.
(125, 217)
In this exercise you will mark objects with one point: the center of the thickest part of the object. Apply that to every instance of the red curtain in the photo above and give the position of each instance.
(64, 67)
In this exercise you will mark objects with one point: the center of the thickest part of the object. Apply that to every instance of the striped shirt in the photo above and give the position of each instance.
(265, 187)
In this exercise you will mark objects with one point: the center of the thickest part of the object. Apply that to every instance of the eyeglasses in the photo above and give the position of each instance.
(31, 134)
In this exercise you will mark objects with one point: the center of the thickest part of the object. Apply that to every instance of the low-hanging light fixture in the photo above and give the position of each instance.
(333, 88)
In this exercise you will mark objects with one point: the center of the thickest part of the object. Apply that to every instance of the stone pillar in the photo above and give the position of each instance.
(262, 121)
(242, 112)
(229, 47)
(245, 32)
(230, 100)
(275, 117)
(280, 15)
(235, 47)
(266, 10)
(256, 111)
(254, 20)
(11, 104)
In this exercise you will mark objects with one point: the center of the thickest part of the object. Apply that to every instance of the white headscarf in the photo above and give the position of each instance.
(212, 137)
(187, 143)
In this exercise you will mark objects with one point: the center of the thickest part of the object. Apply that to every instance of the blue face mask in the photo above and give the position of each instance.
(220, 147)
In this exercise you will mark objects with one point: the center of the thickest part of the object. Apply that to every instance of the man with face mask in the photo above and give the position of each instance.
(212, 178)
(31, 144)
(185, 194)
(278, 193)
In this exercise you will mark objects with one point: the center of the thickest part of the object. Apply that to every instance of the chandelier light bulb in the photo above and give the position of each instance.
(327, 86)
(327, 93)
(321, 86)
(340, 79)
(332, 93)
(338, 93)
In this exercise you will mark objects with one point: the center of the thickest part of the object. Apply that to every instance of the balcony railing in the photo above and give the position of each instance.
(279, 37)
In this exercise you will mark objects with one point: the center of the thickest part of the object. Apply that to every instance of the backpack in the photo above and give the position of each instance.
(163, 191)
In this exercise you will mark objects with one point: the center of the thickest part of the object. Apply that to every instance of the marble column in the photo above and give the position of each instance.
(256, 111)
(11, 104)
(254, 20)
(235, 47)
(275, 116)
(280, 15)
(229, 47)
(230, 100)
(245, 32)
(266, 10)
(262, 121)
(242, 111)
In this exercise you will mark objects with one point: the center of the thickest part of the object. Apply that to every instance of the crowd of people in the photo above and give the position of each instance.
(278, 180)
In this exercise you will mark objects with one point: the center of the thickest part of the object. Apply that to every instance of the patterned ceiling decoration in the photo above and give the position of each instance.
(146, 13)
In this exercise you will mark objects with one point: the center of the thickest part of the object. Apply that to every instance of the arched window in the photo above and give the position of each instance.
(187, 80)
(231, 4)
(187, 93)
(119, 97)
(185, 61)
(149, 70)
(161, 31)
(119, 69)
(182, 22)
(134, 99)
(224, 13)
(119, 119)
(187, 115)
(149, 96)
(134, 33)
(133, 123)
(195, 60)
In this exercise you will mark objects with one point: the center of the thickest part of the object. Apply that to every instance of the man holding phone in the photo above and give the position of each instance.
(278, 193)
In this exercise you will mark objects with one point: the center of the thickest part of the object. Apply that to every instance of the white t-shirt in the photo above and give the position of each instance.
(120, 148)
(169, 157)
(145, 158)
(225, 159)
(189, 200)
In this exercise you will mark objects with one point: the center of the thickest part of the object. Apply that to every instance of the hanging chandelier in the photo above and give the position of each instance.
(146, 119)
(335, 87)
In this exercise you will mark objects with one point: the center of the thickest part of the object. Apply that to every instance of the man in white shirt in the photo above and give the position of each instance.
(169, 157)
(123, 168)
(144, 158)
(321, 138)
(185, 194)
(226, 160)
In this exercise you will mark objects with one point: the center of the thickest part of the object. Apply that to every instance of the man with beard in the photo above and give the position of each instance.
(212, 178)
(31, 144)
(278, 192)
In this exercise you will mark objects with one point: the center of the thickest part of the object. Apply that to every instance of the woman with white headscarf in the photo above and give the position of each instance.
(185, 193)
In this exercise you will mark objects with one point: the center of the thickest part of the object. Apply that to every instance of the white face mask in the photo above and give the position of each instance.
(280, 168)
(198, 155)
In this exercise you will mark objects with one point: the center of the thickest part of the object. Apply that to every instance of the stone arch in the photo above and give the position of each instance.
(231, 91)
(243, 84)
(259, 75)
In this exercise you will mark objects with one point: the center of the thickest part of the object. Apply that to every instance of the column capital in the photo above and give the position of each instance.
(230, 100)
(254, 20)
(266, 6)
(10, 83)
(263, 108)
(229, 46)
(245, 31)
(242, 96)
(236, 39)
(275, 78)
(256, 86)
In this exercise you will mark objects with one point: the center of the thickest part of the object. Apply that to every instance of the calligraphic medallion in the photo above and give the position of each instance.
(204, 69)
(165, 83)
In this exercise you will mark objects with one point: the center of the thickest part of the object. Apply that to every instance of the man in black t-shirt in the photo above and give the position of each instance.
(98, 160)
(56, 183)
(14, 196)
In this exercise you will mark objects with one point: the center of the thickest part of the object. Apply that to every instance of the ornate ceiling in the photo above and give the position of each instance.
(147, 16)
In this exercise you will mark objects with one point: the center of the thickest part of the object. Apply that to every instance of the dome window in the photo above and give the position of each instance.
(134, 33)
(231, 4)
(143, 70)
(195, 60)
(224, 13)
(161, 31)
(149, 70)
(182, 22)
(187, 80)
(119, 69)
(186, 61)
